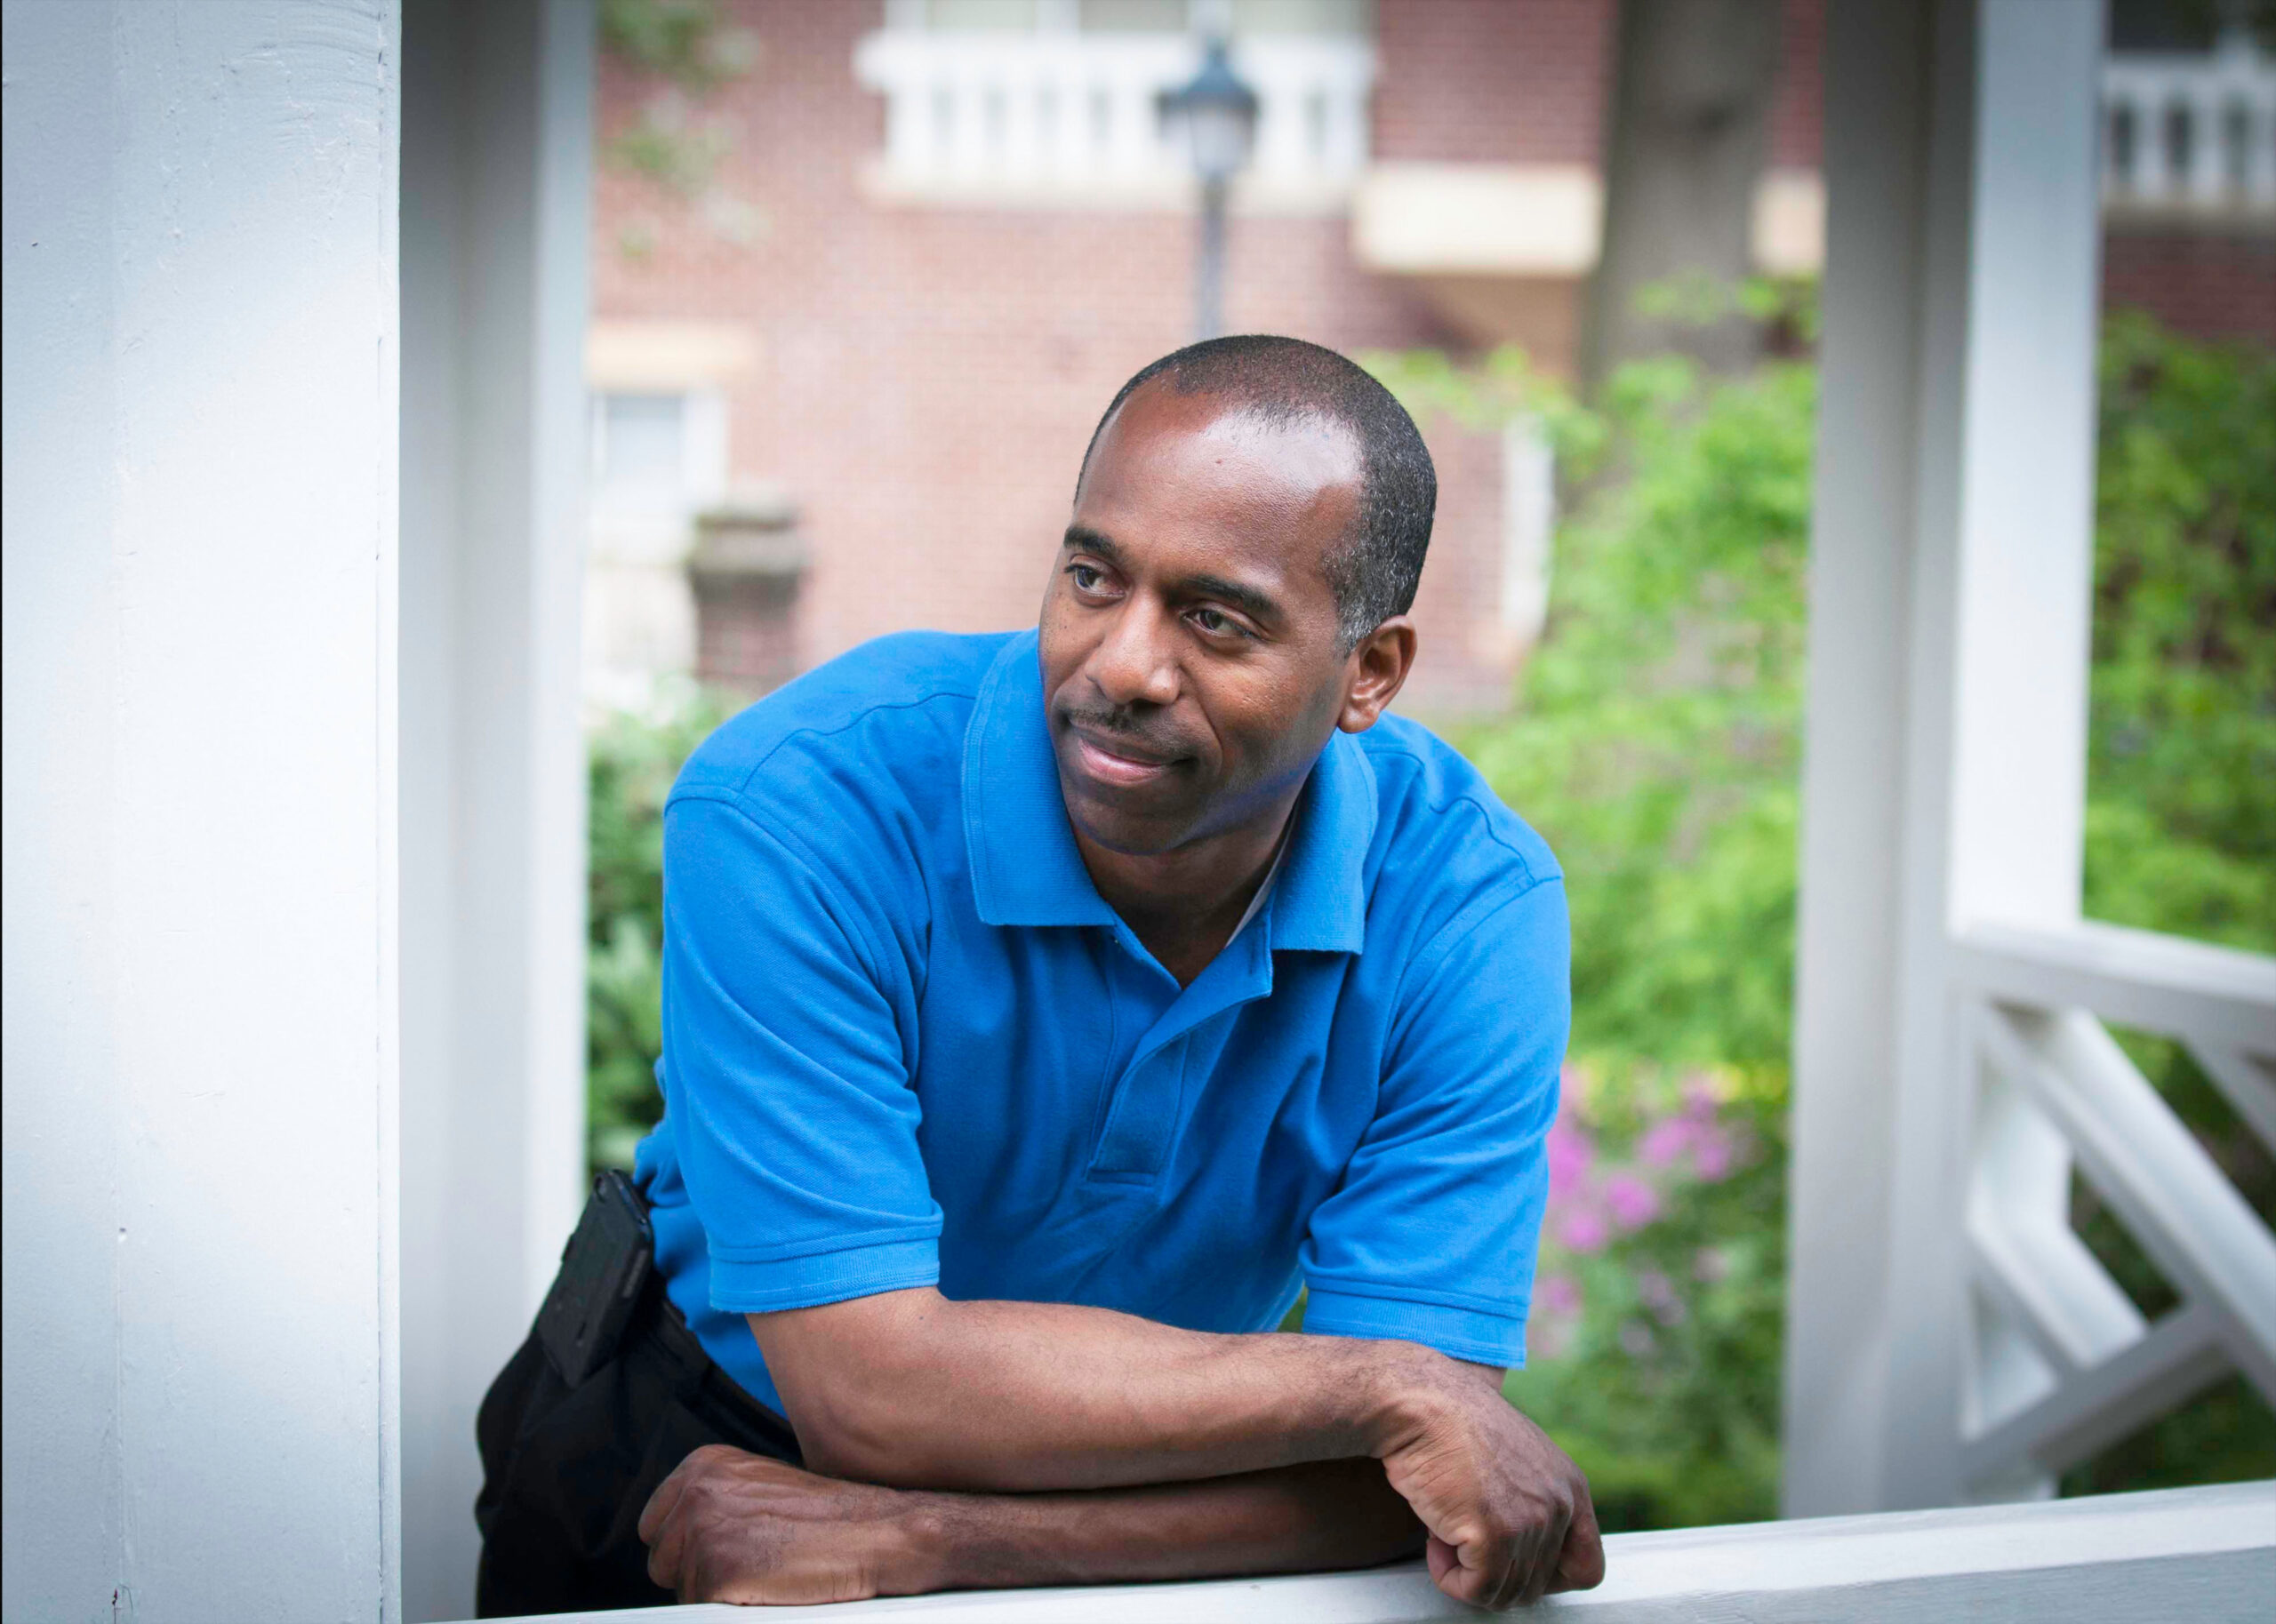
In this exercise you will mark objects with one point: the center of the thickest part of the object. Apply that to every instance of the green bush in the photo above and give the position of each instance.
(631, 760)
(1656, 748)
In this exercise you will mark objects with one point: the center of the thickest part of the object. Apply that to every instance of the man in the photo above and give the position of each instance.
(1041, 1012)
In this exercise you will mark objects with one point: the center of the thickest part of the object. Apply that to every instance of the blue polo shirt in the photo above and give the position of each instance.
(907, 1044)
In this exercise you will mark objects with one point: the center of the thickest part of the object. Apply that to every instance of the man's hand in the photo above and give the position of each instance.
(728, 1526)
(1509, 1514)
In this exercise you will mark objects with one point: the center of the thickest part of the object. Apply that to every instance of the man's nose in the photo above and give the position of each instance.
(1135, 663)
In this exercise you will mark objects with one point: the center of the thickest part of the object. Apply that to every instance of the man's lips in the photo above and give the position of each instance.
(1112, 760)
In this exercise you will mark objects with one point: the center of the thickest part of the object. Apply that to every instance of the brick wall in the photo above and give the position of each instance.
(1528, 80)
(2209, 284)
(927, 378)
(1492, 81)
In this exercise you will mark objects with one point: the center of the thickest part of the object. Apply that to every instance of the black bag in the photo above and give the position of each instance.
(605, 1263)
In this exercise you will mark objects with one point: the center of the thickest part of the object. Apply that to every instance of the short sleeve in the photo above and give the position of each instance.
(787, 1075)
(1431, 1235)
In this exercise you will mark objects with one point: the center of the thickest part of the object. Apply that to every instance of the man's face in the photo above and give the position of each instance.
(1191, 664)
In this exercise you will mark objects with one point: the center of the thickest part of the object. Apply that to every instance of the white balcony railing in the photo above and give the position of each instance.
(2063, 1364)
(1070, 119)
(2192, 133)
(2205, 1554)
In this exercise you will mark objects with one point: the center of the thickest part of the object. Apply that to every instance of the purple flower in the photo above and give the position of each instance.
(1632, 1203)
(1712, 1152)
(1558, 1294)
(1636, 1338)
(1583, 1230)
(1656, 1292)
(1571, 1153)
(1666, 1141)
(1695, 1136)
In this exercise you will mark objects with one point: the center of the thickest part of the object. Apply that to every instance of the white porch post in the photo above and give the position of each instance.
(496, 177)
(200, 810)
(1945, 771)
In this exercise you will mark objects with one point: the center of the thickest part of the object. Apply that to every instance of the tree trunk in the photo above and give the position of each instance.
(1685, 145)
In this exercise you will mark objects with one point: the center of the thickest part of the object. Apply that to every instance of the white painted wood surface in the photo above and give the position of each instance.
(1950, 1337)
(2205, 1554)
(1944, 759)
(2192, 134)
(496, 181)
(199, 1020)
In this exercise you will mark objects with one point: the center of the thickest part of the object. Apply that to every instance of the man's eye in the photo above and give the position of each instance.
(1087, 579)
(1217, 623)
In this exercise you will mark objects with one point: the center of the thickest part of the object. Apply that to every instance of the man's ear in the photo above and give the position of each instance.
(1375, 673)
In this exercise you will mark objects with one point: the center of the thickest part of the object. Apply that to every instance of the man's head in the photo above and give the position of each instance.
(1249, 526)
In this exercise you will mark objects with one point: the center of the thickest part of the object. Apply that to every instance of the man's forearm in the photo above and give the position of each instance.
(730, 1526)
(1327, 1514)
(911, 1390)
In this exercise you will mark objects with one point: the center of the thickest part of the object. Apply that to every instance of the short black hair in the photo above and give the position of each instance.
(1374, 573)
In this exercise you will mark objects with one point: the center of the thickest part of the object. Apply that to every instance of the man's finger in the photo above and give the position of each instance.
(1541, 1565)
(661, 1503)
(668, 1553)
(1580, 1564)
(663, 1557)
(1440, 1558)
(1459, 1572)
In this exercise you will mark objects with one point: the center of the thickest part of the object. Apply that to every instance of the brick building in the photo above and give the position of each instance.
(894, 269)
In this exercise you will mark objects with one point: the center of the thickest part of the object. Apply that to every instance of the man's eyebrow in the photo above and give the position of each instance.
(1250, 600)
(1257, 605)
(1083, 539)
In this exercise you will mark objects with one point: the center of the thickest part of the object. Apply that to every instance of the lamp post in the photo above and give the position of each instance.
(1215, 115)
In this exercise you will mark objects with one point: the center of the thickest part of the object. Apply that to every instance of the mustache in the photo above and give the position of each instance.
(1119, 723)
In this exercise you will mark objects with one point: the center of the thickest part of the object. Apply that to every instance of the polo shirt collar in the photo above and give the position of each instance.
(1026, 869)
(1320, 903)
(1025, 866)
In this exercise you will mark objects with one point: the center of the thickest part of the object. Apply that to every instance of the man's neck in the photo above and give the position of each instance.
(1184, 905)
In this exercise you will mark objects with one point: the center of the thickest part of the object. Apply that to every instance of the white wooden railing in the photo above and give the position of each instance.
(1071, 118)
(2062, 1363)
(2205, 1554)
(2196, 132)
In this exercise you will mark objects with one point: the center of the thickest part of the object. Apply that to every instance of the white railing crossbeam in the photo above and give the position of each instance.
(2027, 1252)
(2091, 1409)
(2247, 1082)
(2179, 1206)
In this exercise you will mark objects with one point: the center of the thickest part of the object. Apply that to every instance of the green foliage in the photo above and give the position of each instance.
(2181, 833)
(1657, 748)
(683, 41)
(1656, 1311)
(631, 763)
(669, 145)
(685, 47)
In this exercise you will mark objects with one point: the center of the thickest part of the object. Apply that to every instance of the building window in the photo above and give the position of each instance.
(640, 451)
(658, 454)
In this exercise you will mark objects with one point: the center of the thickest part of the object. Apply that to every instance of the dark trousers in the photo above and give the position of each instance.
(566, 1471)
